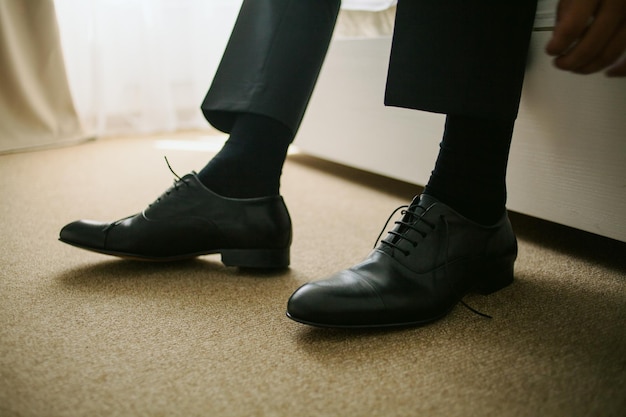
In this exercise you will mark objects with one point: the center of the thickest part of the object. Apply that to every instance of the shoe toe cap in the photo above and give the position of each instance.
(344, 300)
(87, 233)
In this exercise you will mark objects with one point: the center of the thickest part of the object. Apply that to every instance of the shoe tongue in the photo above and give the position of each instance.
(178, 183)
(418, 206)
(424, 201)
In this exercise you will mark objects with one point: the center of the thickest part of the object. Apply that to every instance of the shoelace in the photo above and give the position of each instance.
(411, 226)
(387, 222)
(460, 298)
(171, 169)
(408, 225)
(177, 183)
(176, 186)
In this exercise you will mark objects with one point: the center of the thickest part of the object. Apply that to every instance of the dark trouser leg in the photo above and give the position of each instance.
(261, 90)
(272, 60)
(466, 61)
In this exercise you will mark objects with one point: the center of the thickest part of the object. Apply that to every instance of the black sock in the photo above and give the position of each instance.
(470, 173)
(250, 162)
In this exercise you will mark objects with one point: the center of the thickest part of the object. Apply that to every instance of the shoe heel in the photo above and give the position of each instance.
(495, 275)
(256, 258)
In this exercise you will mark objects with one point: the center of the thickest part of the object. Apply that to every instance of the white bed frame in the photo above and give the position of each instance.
(568, 158)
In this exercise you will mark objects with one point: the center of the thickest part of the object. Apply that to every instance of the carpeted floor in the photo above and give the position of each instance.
(83, 334)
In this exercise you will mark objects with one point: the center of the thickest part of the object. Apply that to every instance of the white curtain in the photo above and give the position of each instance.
(145, 65)
(142, 65)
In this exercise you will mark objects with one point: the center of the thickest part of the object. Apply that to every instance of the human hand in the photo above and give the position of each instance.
(590, 36)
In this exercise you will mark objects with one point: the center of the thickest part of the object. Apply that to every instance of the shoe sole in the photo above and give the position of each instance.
(418, 323)
(242, 258)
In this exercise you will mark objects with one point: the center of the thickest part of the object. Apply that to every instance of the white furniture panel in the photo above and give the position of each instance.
(568, 159)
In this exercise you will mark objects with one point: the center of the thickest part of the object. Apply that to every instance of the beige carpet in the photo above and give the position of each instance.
(83, 334)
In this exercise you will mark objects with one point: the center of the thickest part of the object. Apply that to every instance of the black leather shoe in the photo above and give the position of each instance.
(417, 274)
(190, 220)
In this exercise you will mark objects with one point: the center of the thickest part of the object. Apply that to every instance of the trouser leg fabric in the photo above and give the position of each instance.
(272, 61)
(460, 57)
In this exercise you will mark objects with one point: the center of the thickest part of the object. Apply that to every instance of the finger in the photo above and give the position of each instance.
(572, 20)
(595, 38)
(609, 56)
(618, 70)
